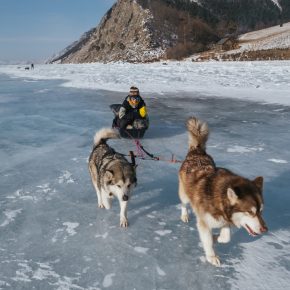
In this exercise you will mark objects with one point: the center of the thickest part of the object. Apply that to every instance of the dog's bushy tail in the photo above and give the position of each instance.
(198, 132)
(105, 134)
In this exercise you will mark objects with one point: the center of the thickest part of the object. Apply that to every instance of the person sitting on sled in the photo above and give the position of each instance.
(132, 108)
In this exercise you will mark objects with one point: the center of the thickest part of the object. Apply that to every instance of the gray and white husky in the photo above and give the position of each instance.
(112, 175)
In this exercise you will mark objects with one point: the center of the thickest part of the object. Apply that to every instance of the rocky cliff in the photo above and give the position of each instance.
(149, 30)
(124, 33)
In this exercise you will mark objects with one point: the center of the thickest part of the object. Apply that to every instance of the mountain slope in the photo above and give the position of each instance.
(139, 31)
(149, 30)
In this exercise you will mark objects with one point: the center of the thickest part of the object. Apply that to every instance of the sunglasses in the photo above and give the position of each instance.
(134, 99)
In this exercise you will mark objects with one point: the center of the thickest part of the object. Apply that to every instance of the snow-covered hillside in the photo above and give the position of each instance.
(269, 38)
(272, 43)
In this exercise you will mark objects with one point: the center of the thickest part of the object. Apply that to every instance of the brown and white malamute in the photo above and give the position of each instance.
(112, 175)
(218, 197)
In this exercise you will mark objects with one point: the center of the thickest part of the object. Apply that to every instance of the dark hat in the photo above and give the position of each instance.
(134, 90)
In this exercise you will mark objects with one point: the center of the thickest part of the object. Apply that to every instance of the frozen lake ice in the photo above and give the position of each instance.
(53, 236)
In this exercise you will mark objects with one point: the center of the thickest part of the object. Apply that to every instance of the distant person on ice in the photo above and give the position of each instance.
(32, 66)
(132, 108)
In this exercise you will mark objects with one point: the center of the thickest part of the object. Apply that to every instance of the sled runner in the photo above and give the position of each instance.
(136, 130)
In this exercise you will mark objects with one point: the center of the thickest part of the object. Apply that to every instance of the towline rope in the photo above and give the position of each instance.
(142, 152)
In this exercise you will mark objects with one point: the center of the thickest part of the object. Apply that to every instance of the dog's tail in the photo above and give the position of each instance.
(104, 134)
(198, 133)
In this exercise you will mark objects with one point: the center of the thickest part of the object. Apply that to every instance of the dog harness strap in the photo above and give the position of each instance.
(133, 161)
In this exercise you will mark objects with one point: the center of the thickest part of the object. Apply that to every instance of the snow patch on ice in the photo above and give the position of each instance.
(278, 161)
(25, 273)
(66, 177)
(108, 281)
(66, 283)
(21, 194)
(104, 236)
(22, 274)
(56, 235)
(44, 187)
(151, 216)
(163, 232)
(162, 223)
(29, 81)
(10, 216)
(160, 271)
(3, 283)
(43, 272)
(141, 250)
(71, 228)
(243, 149)
(42, 91)
(44, 191)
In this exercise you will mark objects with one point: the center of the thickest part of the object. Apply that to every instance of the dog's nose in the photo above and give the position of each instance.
(125, 197)
(263, 229)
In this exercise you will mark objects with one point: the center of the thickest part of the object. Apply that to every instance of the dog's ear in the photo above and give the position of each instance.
(258, 181)
(232, 196)
(109, 174)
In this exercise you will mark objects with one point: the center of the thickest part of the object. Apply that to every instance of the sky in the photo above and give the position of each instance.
(34, 30)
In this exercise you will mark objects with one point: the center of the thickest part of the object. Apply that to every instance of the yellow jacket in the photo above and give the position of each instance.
(143, 112)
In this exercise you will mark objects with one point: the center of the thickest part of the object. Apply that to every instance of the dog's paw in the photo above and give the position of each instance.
(100, 205)
(214, 260)
(124, 223)
(185, 218)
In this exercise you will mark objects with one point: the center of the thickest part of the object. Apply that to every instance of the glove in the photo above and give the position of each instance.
(122, 112)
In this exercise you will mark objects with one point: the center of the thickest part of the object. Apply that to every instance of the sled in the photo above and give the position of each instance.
(135, 131)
